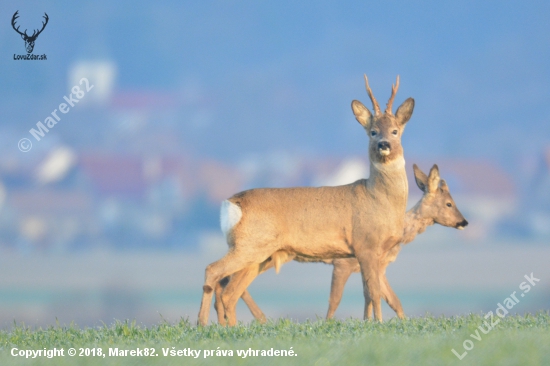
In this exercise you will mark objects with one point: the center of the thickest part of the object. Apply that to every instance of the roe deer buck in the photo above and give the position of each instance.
(435, 206)
(362, 219)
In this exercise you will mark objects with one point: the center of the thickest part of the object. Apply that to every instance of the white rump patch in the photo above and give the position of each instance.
(230, 215)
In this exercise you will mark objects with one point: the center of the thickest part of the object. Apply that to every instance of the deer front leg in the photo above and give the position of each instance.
(390, 297)
(370, 264)
(387, 293)
(340, 275)
(369, 310)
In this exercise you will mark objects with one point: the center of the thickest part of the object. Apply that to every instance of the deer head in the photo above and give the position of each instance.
(29, 40)
(384, 129)
(437, 203)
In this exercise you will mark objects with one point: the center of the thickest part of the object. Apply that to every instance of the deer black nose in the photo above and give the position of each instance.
(383, 145)
(462, 224)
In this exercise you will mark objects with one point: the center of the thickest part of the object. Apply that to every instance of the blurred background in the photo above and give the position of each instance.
(114, 211)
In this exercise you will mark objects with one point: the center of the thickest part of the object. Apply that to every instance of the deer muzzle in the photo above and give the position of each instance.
(384, 148)
(462, 224)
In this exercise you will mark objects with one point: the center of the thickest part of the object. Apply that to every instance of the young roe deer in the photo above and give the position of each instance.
(435, 207)
(363, 219)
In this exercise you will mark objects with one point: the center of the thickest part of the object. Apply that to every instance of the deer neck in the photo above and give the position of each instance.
(415, 223)
(390, 180)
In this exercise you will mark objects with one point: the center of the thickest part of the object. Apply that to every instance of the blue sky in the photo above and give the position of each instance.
(281, 75)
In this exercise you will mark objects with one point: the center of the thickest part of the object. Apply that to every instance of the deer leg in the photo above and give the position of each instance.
(254, 309)
(232, 262)
(369, 310)
(247, 298)
(383, 294)
(371, 282)
(252, 306)
(218, 304)
(250, 303)
(236, 287)
(340, 275)
(390, 297)
(383, 290)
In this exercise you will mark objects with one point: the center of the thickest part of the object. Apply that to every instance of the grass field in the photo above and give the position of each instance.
(515, 340)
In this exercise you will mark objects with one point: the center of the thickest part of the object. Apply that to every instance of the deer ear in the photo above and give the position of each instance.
(362, 113)
(433, 179)
(443, 185)
(420, 178)
(405, 111)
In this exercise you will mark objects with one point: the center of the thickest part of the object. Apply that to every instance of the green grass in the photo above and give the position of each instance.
(426, 340)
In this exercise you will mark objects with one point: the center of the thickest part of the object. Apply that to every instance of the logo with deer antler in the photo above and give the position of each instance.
(29, 40)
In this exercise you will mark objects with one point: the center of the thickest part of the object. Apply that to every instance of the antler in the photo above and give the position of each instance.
(34, 34)
(13, 19)
(393, 92)
(372, 99)
(43, 24)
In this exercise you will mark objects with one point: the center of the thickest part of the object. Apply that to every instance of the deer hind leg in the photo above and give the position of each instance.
(232, 262)
(218, 304)
(340, 275)
(236, 287)
(250, 303)
(276, 260)
(247, 298)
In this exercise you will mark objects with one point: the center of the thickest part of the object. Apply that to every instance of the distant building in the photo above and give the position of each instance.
(158, 200)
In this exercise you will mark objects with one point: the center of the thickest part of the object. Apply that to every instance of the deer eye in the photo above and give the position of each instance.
(394, 132)
(373, 133)
(449, 204)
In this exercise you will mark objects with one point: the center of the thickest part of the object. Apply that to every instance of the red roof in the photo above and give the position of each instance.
(113, 174)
